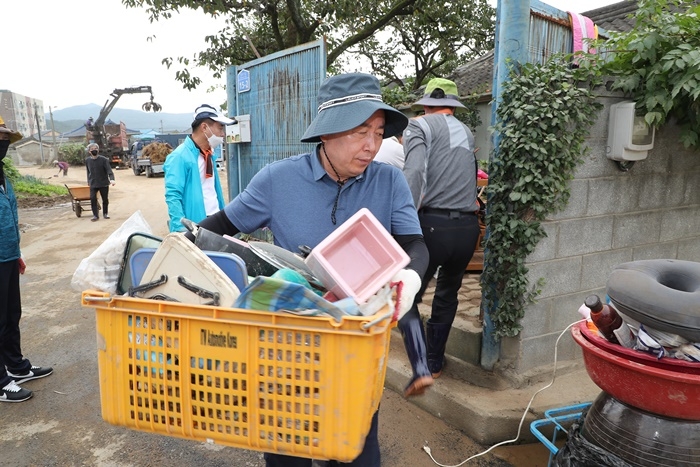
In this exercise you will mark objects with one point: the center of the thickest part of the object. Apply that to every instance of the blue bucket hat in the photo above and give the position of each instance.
(346, 102)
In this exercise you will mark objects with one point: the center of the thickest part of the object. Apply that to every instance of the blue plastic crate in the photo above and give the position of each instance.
(555, 418)
(232, 265)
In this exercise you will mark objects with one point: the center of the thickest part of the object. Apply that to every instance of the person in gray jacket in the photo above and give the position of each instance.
(441, 171)
(99, 177)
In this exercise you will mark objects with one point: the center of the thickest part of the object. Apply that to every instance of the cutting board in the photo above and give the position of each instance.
(183, 262)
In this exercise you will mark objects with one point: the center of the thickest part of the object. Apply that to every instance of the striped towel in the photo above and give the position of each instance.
(583, 31)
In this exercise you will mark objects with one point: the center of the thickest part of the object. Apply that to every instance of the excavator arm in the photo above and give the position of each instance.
(96, 129)
(117, 93)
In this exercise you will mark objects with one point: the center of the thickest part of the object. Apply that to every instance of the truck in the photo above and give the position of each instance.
(112, 138)
(144, 161)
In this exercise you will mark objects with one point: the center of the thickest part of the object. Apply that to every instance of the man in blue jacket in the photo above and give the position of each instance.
(192, 185)
(14, 368)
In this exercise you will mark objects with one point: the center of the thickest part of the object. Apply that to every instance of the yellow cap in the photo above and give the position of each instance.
(14, 135)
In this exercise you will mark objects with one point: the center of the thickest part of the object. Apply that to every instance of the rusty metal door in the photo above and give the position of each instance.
(278, 93)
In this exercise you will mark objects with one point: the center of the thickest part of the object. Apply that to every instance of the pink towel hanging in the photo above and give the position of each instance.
(583, 30)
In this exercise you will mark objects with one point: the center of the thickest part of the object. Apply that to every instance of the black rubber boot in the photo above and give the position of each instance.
(414, 340)
(437, 335)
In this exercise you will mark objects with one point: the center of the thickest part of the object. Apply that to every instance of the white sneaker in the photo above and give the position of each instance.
(13, 393)
(35, 372)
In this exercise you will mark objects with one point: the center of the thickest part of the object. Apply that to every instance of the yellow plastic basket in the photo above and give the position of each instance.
(274, 382)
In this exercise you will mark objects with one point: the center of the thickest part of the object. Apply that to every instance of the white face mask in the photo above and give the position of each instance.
(214, 141)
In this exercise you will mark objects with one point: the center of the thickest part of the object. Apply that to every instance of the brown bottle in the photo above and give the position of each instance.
(604, 317)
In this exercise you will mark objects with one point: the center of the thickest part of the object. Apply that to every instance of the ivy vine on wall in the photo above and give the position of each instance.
(544, 116)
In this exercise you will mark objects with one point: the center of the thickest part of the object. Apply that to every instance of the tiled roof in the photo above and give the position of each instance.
(475, 77)
(615, 17)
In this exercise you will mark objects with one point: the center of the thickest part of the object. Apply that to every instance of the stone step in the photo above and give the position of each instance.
(462, 355)
(481, 404)
(463, 350)
(486, 406)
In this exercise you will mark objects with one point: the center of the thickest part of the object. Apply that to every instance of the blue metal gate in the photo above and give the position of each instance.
(278, 92)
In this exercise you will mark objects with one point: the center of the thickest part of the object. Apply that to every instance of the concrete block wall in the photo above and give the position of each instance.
(651, 211)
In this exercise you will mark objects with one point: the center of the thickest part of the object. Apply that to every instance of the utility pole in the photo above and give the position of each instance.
(41, 145)
(53, 135)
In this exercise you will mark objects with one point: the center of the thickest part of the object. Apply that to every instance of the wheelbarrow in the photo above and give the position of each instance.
(79, 194)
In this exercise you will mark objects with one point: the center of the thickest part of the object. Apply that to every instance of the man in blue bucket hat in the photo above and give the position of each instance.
(304, 198)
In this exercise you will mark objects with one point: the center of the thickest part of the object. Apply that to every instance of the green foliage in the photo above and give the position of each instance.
(11, 172)
(469, 116)
(73, 153)
(400, 95)
(437, 36)
(28, 184)
(657, 63)
(543, 118)
(268, 26)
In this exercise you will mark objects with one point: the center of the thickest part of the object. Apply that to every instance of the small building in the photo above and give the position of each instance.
(30, 152)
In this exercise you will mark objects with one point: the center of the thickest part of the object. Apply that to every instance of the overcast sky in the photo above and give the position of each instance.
(73, 52)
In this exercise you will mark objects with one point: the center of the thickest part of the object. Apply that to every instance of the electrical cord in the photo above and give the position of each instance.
(426, 448)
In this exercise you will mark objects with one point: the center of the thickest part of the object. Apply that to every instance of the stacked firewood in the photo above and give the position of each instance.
(157, 152)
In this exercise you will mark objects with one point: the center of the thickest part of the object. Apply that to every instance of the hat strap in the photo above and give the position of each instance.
(349, 100)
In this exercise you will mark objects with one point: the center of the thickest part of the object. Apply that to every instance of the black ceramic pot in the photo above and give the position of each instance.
(641, 438)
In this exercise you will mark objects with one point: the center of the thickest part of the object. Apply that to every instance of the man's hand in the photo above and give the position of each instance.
(22, 265)
(410, 285)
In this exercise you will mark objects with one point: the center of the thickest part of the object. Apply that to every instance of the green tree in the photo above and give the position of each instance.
(73, 153)
(268, 26)
(657, 63)
(438, 36)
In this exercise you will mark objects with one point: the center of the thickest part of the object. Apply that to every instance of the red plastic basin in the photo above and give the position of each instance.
(672, 364)
(660, 391)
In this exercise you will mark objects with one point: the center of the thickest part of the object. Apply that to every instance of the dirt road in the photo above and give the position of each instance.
(62, 425)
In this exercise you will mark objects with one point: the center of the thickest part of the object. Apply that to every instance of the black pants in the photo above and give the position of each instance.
(369, 457)
(451, 242)
(104, 193)
(10, 314)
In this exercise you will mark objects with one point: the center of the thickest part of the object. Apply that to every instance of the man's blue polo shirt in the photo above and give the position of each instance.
(294, 198)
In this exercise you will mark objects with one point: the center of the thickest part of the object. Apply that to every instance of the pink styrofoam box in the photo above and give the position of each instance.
(358, 258)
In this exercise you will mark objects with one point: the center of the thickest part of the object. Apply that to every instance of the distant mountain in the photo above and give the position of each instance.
(133, 119)
(63, 126)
